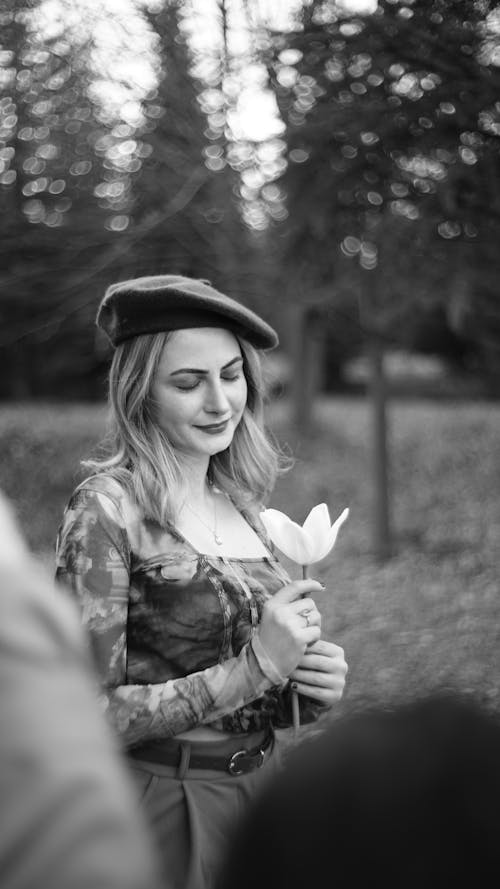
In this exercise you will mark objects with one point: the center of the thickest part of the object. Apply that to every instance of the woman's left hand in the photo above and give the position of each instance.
(321, 672)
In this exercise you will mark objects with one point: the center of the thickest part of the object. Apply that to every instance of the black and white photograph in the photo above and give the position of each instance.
(249, 444)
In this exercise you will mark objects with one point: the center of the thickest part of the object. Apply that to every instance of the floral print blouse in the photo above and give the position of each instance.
(172, 630)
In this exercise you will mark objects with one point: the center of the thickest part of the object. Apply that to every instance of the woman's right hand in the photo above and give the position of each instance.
(284, 631)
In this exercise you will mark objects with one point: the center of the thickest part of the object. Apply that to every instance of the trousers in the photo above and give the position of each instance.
(192, 814)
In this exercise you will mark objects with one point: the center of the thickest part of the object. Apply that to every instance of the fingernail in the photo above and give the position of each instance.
(322, 585)
(294, 686)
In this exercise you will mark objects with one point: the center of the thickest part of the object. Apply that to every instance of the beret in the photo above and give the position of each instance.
(170, 302)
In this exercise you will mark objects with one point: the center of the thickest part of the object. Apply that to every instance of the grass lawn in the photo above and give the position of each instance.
(430, 617)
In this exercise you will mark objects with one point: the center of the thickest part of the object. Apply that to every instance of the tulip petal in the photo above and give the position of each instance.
(277, 525)
(334, 530)
(317, 524)
(287, 535)
(307, 544)
(300, 546)
(273, 521)
(325, 542)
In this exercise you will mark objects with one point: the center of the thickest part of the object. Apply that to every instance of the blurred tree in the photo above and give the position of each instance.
(50, 167)
(110, 174)
(185, 186)
(26, 154)
(392, 133)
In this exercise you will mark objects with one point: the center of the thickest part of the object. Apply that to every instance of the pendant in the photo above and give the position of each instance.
(218, 540)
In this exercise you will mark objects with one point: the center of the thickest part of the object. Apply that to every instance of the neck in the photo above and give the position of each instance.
(196, 477)
(200, 502)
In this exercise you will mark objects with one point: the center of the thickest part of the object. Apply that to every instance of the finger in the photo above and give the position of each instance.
(297, 589)
(318, 678)
(310, 634)
(315, 651)
(306, 679)
(303, 606)
(317, 662)
(309, 618)
(329, 649)
(319, 693)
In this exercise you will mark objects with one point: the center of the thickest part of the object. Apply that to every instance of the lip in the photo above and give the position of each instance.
(214, 428)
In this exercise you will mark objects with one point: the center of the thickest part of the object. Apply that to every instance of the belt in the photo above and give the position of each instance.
(180, 754)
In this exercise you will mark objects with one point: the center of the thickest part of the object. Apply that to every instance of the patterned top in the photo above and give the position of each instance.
(172, 630)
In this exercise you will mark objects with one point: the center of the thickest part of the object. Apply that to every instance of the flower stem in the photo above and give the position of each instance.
(295, 694)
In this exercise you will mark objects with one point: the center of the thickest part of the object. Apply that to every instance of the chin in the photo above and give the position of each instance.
(221, 445)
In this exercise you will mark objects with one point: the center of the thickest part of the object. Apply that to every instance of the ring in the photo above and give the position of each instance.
(305, 614)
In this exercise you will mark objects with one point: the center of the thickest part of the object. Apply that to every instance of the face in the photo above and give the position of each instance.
(200, 391)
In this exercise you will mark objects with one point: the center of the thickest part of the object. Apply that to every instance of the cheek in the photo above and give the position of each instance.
(170, 411)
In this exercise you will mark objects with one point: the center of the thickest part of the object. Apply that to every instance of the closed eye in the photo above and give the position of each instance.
(188, 384)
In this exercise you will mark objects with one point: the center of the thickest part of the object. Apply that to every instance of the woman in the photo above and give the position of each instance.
(197, 630)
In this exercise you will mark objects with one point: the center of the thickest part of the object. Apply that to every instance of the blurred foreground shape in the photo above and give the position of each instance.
(407, 796)
(67, 812)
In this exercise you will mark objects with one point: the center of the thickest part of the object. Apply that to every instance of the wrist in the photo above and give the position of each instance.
(265, 662)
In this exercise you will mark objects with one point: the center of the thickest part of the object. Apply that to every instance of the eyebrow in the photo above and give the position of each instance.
(197, 370)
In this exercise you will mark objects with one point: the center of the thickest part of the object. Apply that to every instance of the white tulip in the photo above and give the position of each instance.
(304, 544)
(307, 543)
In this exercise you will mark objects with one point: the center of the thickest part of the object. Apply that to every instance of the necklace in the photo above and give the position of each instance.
(218, 540)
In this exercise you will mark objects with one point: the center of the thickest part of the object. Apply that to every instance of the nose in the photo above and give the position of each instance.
(216, 401)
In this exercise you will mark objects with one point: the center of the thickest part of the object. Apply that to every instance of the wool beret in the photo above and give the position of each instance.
(170, 302)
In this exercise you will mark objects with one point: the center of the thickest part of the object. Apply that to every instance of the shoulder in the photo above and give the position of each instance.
(104, 493)
(97, 510)
(102, 483)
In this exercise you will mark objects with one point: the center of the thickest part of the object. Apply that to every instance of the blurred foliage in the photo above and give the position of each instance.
(42, 446)
(428, 618)
(97, 191)
(48, 171)
(393, 125)
(121, 154)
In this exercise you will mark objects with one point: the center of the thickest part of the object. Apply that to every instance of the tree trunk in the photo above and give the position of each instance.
(306, 354)
(382, 539)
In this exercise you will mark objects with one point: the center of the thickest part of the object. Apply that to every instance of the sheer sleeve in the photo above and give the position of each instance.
(93, 560)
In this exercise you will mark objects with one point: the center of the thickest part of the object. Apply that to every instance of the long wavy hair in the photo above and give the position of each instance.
(143, 460)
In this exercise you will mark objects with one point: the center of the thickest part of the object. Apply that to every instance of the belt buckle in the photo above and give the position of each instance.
(236, 767)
